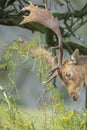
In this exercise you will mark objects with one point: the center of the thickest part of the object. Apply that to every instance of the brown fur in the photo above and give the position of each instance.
(74, 74)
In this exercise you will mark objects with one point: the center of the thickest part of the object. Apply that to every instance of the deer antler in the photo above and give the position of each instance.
(45, 17)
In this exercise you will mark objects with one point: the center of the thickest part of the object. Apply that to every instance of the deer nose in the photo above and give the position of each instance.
(74, 97)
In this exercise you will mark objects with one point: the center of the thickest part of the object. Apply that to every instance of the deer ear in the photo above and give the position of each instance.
(74, 57)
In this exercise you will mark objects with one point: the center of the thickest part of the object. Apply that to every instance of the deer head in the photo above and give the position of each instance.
(72, 75)
(68, 69)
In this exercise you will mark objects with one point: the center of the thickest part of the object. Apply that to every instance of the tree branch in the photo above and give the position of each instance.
(71, 46)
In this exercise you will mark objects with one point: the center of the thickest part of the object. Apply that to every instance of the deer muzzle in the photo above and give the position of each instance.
(74, 96)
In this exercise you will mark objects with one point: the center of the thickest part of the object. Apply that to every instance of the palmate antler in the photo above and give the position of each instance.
(45, 17)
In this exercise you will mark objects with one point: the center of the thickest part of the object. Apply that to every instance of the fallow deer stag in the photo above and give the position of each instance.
(72, 71)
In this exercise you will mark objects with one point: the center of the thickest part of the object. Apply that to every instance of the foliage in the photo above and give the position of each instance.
(14, 119)
(54, 117)
(21, 51)
(18, 54)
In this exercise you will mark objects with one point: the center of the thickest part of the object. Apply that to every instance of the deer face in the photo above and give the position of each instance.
(71, 74)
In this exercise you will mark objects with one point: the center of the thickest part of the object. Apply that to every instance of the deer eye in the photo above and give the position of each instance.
(68, 75)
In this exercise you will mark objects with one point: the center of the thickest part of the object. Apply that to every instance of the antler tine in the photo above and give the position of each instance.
(53, 76)
(52, 71)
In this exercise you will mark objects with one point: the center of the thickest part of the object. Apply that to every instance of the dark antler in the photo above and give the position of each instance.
(45, 17)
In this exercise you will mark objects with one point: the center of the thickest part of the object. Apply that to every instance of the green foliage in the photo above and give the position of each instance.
(14, 119)
(55, 117)
(51, 116)
(20, 52)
